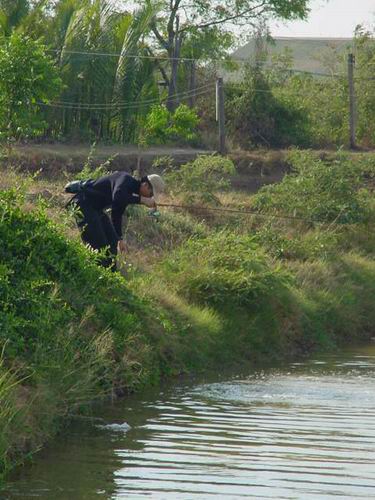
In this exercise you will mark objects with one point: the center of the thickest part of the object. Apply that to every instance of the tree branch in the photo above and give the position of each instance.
(163, 42)
(172, 17)
(158, 65)
(262, 7)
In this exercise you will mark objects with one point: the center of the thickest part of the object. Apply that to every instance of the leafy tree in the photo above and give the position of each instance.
(102, 90)
(258, 115)
(12, 13)
(162, 126)
(365, 89)
(28, 78)
(178, 20)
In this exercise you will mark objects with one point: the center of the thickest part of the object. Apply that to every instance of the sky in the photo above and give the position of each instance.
(329, 18)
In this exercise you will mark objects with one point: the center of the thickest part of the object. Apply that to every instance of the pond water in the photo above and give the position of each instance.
(306, 430)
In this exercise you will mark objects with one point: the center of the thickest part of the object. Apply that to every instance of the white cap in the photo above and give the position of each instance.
(157, 183)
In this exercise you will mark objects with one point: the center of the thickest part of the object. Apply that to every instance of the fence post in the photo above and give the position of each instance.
(352, 101)
(220, 114)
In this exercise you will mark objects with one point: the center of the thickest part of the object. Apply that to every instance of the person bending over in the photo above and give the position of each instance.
(115, 191)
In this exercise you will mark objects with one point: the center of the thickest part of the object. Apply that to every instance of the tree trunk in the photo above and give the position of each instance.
(174, 55)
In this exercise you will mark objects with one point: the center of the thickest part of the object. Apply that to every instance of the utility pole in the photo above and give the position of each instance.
(220, 114)
(352, 101)
(192, 83)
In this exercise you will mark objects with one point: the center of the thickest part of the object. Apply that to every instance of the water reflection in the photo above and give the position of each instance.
(306, 431)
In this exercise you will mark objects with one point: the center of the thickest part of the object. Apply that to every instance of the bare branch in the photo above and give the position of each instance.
(163, 42)
(159, 66)
(172, 18)
(260, 9)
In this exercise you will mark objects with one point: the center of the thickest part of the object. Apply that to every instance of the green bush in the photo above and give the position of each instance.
(47, 283)
(258, 116)
(28, 78)
(293, 244)
(162, 126)
(318, 190)
(223, 269)
(200, 180)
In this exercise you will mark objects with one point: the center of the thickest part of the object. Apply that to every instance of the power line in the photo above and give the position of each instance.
(126, 104)
(188, 59)
(130, 105)
(129, 56)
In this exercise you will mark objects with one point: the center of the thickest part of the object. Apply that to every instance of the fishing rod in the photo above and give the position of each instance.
(237, 211)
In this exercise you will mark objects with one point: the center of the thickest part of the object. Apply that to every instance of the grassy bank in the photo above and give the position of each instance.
(199, 288)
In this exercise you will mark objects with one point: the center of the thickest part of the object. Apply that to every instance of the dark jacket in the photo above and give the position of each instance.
(115, 191)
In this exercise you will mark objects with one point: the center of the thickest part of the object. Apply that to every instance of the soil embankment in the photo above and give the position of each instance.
(254, 169)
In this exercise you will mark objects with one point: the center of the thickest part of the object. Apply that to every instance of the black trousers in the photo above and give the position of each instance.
(96, 230)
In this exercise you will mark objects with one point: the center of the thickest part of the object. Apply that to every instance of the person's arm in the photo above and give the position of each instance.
(120, 201)
(116, 216)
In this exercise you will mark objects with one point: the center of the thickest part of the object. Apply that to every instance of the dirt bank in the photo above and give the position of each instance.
(254, 169)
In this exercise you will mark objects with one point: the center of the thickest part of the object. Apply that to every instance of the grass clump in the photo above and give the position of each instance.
(223, 268)
(200, 180)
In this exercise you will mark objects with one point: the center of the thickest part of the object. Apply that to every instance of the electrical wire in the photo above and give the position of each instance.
(127, 104)
(188, 59)
(131, 105)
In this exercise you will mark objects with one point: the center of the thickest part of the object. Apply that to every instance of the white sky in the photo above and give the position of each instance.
(330, 18)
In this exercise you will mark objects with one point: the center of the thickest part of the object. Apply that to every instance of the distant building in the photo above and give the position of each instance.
(317, 55)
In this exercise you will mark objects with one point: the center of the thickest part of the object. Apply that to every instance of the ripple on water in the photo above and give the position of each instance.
(305, 432)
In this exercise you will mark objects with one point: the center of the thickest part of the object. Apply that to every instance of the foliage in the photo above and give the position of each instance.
(107, 97)
(200, 180)
(90, 171)
(162, 126)
(257, 116)
(223, 270)
(214, 19)
(365, 92)
(171, 230)
(297, 243)
(28, 78)
(8, 412)
(275, 106)
(12, 13)
(318, 191)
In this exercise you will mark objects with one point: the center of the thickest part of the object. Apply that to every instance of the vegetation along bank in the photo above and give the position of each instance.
(199, 287)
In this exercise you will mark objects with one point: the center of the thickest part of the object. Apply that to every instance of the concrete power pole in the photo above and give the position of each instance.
(220, 114)
(352, 101)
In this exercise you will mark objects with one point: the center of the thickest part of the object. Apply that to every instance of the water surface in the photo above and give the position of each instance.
(304, 431)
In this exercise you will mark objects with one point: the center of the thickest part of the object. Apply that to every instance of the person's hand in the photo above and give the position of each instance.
(121, 246)
(149, 202)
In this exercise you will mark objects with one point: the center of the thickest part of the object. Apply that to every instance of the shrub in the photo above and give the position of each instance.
(258, 116)
(27, 78)
(199, 180)
(90, 171)
(162, 126)
(223, 269)
(318, 190)
(47, 283)
(295, 244)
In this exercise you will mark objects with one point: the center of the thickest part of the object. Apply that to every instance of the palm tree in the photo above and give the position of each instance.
(101, 89)
(12, 13)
